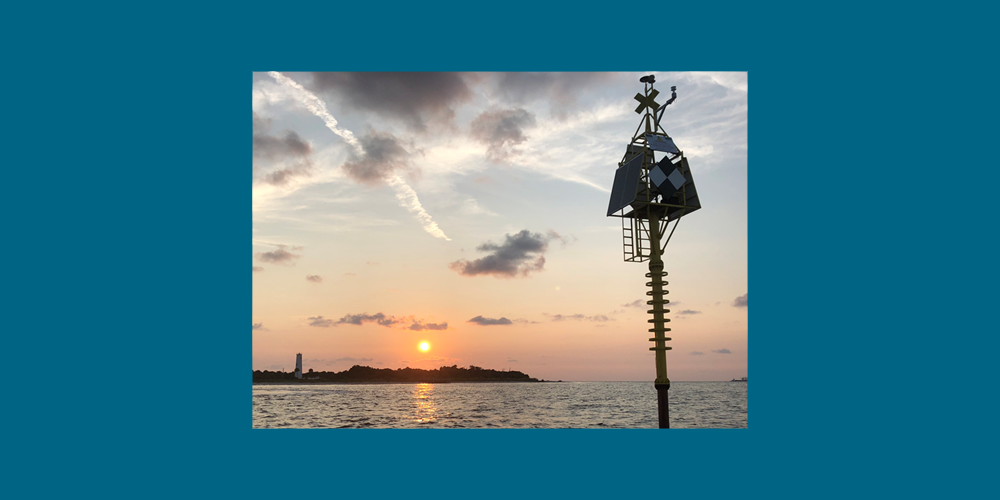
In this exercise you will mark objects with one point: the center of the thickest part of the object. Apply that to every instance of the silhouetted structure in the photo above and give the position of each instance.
(360, 374)
(649, 193)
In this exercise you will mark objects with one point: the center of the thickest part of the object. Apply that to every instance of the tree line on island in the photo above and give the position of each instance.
(359, 373)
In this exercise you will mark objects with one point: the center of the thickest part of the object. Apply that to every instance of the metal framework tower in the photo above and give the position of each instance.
(648, 195)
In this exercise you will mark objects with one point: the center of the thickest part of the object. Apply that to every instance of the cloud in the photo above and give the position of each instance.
(511, 360)
(258, 326)
(721, 351)
(412, 98)
(315, 278)
(359, 319)
(697, 353)
(408, 199)
(328, 362)
(521, 320)
(417, 326)
(500, 130)
(371, 165)
(383, 155)
(350, 274)
(741, 301)
(479, 320)
(519, 255)
(579, 317)
(558, 90)
(279, 256)
(257, 269)
(290, 154)
(352, 360)
(320, 322)
(688, 312)
(317, 107)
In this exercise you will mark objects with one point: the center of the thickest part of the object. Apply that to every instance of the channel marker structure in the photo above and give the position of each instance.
(648, 194)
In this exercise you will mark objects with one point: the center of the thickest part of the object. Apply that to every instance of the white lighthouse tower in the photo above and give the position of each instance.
(298, 365)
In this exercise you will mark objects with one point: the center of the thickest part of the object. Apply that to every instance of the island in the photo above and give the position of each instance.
(367, 374)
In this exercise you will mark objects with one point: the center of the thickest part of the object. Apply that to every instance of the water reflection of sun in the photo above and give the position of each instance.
(424, 407)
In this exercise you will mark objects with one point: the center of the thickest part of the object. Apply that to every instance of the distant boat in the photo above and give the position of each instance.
(744, 379)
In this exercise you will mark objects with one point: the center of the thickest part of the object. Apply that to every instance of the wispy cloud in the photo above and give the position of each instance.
(722, 351)
(479, 320)
(328, 362)
(418, 326)
(315, 278)
(408, 199)
(579, 317)
(697, 353)
(353, 360)
(688, 312)
(316, 107)
(258, 326)
(500, 130)
(404, 193)
(257, 269)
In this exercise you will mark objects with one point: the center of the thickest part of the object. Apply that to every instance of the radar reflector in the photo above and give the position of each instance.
(624, 190)
(686, 196)
(658, 142)
(667, 178)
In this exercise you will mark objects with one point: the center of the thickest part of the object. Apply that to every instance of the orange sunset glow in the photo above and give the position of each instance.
(472, 207)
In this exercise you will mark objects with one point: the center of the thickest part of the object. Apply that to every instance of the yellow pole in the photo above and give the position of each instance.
(656, 274)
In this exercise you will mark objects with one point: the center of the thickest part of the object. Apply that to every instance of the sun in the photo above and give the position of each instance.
(424, 346)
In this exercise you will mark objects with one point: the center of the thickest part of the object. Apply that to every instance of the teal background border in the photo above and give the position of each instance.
(126, 218)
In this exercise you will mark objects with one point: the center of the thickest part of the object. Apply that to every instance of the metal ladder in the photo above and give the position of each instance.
(635, 239)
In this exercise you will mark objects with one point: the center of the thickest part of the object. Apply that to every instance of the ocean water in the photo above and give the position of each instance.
(591, 405)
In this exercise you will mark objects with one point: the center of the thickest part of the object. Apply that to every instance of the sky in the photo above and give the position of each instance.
(467, 210)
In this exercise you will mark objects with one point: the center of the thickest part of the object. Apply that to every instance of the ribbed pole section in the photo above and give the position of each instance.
(656, 274)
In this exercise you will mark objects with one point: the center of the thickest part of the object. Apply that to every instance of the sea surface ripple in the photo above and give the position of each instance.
(558, 405)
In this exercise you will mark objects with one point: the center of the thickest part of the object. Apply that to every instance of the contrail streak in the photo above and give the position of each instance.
(317, 107)
(408, 198)
(404, 193)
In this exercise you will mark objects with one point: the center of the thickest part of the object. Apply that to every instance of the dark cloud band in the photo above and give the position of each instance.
(415, 99)
(519, 255)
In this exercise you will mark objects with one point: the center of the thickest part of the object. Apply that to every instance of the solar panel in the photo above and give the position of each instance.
(658, 142)
(616, 190)
(623, 192)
